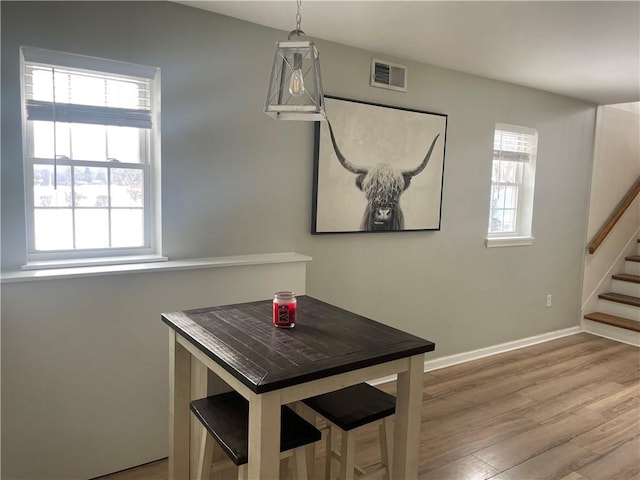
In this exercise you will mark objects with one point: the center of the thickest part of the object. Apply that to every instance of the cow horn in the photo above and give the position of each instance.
(343, 161)
(410, 173)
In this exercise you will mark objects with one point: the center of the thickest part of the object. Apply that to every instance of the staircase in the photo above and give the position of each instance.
(618, 311)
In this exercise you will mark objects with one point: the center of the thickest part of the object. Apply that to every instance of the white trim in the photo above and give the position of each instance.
(92, 262)
(451, 360)
(186, 264)
(508, 241)
(73, 60)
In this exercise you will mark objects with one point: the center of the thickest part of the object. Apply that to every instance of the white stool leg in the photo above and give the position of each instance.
(286, 468)
(205, 456)
(243, 472)
(347, 455)
(300, 455)
(386, 445)
(328, 454)
(310, 416)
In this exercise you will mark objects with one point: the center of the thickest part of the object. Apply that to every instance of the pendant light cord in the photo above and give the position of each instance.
(298, 16)
(297, 32)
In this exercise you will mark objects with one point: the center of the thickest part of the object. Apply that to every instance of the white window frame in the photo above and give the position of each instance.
(525, 161)
(150, 152)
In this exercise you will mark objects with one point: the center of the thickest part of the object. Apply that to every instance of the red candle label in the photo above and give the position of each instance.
(284, 315)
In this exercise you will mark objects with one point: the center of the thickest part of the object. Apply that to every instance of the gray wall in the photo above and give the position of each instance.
(222, 160)
(222, 157)
(85, 377)
(447, 286)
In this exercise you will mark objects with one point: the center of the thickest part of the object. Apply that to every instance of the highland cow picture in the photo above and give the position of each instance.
(377, 168)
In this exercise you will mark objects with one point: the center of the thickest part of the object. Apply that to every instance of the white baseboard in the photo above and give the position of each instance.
(451, 360)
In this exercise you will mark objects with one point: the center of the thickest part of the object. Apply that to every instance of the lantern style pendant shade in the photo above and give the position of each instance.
(295, 86)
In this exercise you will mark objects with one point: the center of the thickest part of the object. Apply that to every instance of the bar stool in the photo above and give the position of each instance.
(345, 411)
(225, 418)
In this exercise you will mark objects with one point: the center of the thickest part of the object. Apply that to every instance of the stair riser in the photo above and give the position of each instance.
(632, 267)
(619, 309)
(615, 333)
(626, 288)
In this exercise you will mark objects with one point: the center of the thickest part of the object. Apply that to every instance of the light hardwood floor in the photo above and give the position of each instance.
(566, 409)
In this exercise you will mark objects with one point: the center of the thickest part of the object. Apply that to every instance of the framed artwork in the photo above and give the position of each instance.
(377, 168)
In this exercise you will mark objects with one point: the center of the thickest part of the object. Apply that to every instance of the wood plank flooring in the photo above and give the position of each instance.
(568, 409)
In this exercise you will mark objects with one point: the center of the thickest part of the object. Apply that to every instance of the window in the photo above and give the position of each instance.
(91, 156)
(512, 185)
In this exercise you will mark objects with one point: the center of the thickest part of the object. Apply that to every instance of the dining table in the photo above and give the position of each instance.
(330, 348)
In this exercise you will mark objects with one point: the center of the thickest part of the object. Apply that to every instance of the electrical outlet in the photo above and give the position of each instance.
(548, 301)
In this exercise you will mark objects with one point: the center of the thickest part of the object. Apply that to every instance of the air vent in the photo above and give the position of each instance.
(388, 75)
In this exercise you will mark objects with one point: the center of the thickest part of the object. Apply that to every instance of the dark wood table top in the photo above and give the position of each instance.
(326, 341)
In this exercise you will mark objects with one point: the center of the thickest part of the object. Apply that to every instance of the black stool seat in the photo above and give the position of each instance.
(226, 418)
(354, 406)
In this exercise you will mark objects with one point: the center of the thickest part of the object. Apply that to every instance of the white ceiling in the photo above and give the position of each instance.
(582, 49)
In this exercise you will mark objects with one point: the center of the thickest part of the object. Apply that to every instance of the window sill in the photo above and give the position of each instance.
(149, 266)
(96, 262)
(509, 241)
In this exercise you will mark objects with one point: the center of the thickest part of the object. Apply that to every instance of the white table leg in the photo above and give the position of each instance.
(264, 429)
(179, 394)
(407, 425)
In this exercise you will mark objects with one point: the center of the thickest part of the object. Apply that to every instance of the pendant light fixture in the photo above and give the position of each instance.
(295, 86)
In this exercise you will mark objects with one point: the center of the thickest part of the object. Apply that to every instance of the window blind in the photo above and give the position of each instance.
(61, 112)
(512, 146)
(79, 96)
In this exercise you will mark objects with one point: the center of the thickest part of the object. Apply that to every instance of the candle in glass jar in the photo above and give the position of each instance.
(284, 309)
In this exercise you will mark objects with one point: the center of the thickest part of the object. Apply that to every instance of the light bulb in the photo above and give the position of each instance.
(296, 83)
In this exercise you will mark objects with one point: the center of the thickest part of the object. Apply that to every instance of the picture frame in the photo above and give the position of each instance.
(377, 168)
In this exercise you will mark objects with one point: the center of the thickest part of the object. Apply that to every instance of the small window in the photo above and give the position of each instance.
(91, 156)
(512, 185)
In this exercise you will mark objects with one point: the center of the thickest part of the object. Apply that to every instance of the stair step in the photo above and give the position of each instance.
(613, 320)
(626, 277)
(633, 258)
(618, 297)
